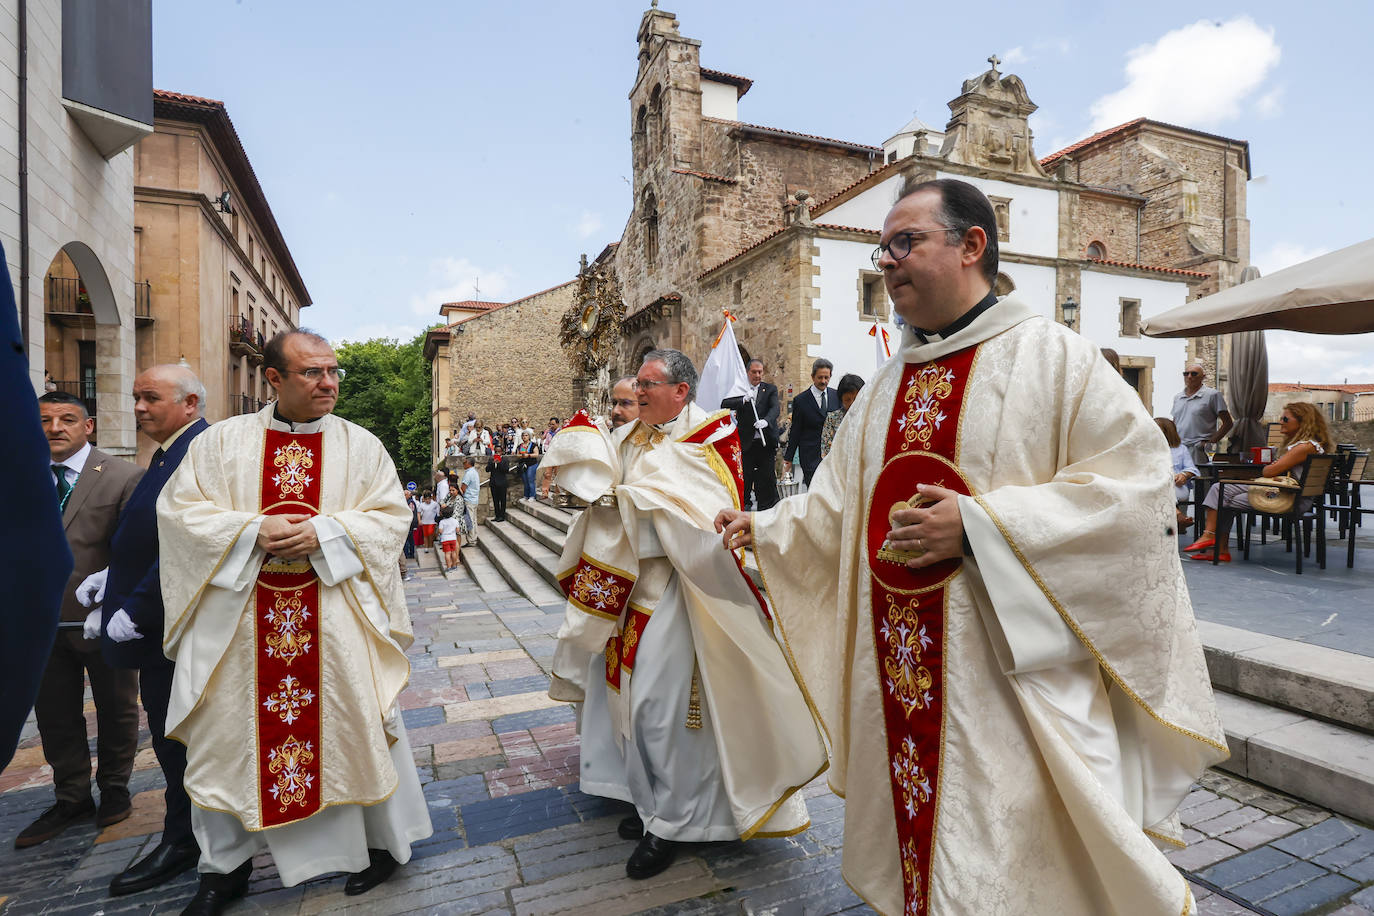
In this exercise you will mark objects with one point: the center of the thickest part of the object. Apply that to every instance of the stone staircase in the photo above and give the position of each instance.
(1298, 717)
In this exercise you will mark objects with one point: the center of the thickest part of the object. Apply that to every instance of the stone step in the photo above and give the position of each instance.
(477, 561)
(1317, 761)
(511, 571)
(561, 519)
(1312, 680)
(543, 532)
(529, 556)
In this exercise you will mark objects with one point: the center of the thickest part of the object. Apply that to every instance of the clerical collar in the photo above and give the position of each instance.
(295, 426)
(663, 427)
(958, 324)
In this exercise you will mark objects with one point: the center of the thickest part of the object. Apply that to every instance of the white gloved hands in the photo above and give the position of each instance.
(91, 628)
(121, 628)
(91, 591)
(760, 423)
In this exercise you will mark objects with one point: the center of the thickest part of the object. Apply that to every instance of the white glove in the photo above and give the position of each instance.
(91, 591)
(760, 424)
(121, 628)
(91, 628)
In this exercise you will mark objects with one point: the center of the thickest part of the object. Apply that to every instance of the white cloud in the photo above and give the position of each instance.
(588, 224)
(451, 279)
(1198, 75)
(1320, 358)
(1270, 105)
(1284, 254)
(1016, 55)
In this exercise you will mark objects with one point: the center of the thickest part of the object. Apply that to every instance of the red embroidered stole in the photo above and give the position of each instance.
(909, 606)
(286, 640)
(605, 592)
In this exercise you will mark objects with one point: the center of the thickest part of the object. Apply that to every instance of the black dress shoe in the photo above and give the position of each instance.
(53, 821)
(651, 856)
(382, 867)
(632, 828)
(218, 891)
(114, 807)
(158, 867)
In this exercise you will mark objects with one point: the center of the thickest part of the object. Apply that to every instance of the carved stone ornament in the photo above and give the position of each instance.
(988, 125)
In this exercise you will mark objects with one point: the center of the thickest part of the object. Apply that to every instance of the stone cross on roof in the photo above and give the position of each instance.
(994, 60)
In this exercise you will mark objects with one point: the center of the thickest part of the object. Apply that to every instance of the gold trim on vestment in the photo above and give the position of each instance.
(323, 806)
(1083, 637)
(773, 834)
(195, 599)
(750, 833)
(292, 502)
(722, 472)
(1164, 839)
(868, 509)
(787, 655)
(1187, 898)
(288, 588)
(713, 418)
(860, 894)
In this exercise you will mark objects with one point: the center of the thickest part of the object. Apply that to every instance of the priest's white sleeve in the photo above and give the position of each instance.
(240, 568)
(337, 557)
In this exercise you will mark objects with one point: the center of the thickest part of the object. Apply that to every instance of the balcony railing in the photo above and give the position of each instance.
(85, 390)
(244, 340)
(143, 301)
(65, 296)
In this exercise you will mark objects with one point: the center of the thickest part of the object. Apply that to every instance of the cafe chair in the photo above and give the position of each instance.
(1298, 521)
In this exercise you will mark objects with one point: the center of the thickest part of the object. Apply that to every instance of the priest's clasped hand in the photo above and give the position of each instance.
(736, 528)
(288, 536)
(935, 531)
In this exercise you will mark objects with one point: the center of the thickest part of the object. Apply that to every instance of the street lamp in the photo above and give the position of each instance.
(1070, 313)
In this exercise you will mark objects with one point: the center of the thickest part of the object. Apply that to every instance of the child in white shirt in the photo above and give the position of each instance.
(448, 537)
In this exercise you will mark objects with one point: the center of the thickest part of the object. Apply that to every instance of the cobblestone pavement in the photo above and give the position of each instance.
(499, 763)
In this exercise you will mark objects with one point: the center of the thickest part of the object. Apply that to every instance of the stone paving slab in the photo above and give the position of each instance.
(513, 834)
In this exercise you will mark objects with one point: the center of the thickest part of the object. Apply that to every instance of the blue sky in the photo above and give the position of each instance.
(412, 150)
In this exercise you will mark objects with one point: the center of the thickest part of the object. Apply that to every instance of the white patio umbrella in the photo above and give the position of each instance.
(1330, 294)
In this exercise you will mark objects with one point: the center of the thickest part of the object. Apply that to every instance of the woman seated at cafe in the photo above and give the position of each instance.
(1184, 469)
(1305, 434)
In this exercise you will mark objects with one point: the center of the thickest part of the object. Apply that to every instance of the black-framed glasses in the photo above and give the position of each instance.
(900, 246)
(315, 373)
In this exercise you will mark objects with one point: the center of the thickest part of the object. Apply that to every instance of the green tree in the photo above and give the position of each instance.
(387, 392)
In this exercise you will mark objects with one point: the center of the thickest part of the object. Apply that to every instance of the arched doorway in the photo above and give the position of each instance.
(89, 342)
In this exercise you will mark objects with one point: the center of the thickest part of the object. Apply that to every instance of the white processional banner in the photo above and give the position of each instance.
(724, 375)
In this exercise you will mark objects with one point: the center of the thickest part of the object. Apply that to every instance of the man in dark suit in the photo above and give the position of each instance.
(808, 418)
(32, 587)
(756, 415)
(168, 401)
(92, 488)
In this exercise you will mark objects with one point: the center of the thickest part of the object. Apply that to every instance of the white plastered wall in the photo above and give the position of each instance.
(1100, 322)
(1034, 214)
(719, 100)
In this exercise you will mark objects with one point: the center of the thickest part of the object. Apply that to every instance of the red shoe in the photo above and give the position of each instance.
(1202, 543)
(1207, 557)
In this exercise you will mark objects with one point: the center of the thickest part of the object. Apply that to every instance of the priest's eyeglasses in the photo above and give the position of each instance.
(900, 246)
(315, 373)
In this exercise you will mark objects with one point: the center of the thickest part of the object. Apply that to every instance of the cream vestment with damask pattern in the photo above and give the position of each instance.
(692, 711)
(368, 793)
(1074, 704)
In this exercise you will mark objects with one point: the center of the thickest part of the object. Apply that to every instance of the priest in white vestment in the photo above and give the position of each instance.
(286, 618)
(692, 712)
(983, 593)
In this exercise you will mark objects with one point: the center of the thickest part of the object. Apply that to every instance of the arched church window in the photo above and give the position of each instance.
(641, 133)
(650, 216)
(1096, 250)
(655, 118)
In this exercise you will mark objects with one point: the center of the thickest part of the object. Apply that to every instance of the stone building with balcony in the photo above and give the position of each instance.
(217, 271)
(77, 96)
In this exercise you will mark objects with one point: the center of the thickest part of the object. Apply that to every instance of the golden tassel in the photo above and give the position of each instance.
(694, 702)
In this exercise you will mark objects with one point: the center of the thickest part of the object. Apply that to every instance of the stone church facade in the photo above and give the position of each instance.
(777, 226)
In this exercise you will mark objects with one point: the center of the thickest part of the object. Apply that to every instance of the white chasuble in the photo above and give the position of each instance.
(692, 710)
(1012, 731)
(287, 672)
